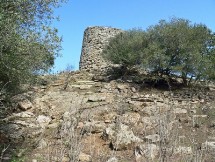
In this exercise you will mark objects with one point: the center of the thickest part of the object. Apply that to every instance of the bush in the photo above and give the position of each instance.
(169, 48)
(126, 49)
(28, 44)
(178, 47)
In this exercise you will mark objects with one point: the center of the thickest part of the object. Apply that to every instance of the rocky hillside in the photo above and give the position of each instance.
(72, 117)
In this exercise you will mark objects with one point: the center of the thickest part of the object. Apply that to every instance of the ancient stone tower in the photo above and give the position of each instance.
(94, 41)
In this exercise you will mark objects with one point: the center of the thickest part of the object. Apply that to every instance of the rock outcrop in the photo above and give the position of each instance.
(109, 121)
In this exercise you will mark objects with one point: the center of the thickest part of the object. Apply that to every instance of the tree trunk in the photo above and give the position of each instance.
(184, 78)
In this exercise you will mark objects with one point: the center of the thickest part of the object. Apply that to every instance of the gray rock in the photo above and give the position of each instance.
(24, 114)
(133, 89)
(180, 111)
(121, 87)
(121, 137)
(183, 150)
(83, 87)
(42, 144)
(96, 98)
(25, 105)
(66, 116)
(53, 125)
(150, 122)
(152, 138)
(209, 145)
(130, 118)
(43, 121)
(84, 157)
(27, 124)
(145, 152)
(94, 127)
(112, 159)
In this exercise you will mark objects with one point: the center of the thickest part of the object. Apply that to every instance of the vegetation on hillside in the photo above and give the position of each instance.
(174, 47)
(28, 43)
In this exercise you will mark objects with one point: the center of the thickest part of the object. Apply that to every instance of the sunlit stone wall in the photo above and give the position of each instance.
(94, 41)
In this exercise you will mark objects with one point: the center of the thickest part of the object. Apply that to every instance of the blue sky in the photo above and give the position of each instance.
(77, 15)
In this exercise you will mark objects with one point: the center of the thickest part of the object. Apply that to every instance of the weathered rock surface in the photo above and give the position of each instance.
(25, 105)
(84, 157)
(146, 151)
(89, 120)
(113, 159)
(120, 137)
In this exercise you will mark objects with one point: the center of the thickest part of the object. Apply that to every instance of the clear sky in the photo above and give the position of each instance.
(77, 15)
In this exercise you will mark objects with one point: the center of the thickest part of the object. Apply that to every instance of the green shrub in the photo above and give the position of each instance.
(126, 48)
(180, 47)
(28, 45)
(174, 47)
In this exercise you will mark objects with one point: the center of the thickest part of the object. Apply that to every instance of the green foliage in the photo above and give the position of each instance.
(126, 48)
(180, 47)
(28, 44)
(18, 159)
(170, 47)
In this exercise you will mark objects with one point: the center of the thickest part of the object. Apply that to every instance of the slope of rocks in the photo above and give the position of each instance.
(73, 118)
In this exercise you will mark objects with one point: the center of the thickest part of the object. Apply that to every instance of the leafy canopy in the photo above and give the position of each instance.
(170, 47)
(126, 48)
(28, 43)
(180, 47)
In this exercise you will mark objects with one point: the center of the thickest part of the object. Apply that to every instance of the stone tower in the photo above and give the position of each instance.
(94, 41)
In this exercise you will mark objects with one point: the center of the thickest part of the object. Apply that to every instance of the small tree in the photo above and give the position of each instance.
(126, 48)
(28, 44)
(170, 47)
(180, 47)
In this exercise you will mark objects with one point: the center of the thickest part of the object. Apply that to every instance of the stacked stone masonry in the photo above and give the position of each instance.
(94, 41)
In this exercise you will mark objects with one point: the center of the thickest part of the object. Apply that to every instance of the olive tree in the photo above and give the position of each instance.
(171, 47)
(28, 43)
(180, 47)
(126, 48)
